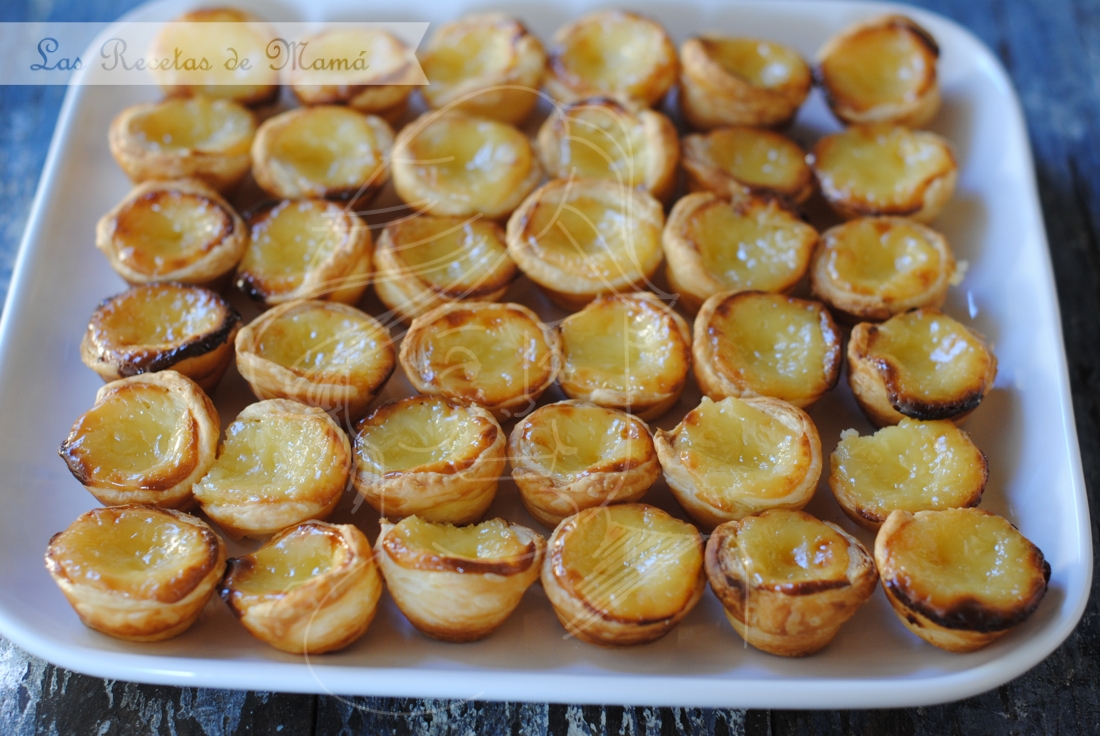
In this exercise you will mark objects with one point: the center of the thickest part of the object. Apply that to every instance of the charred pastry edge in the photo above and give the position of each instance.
(710, 370)
(705, 174)
(384, 95)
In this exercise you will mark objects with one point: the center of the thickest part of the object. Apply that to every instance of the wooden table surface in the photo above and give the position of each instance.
(1052, 51)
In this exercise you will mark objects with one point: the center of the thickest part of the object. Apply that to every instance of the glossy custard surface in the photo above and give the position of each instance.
(291, 239)
(758, 158)
(569, 441)
(760, 63)
(602, 141)
(422, 436)
(162, 314)
(881, 64)
(193, 124)
(490, 540)
(275, 569)
(459, 257)
(323, 343)
(882, 257)
(332, 146)
(781, 549)
(165, 230)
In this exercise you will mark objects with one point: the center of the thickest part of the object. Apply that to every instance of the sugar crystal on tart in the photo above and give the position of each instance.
(959, 578)
(323, 354)
(750, 343)
(881, 70)
(735, 457)
(433, 457)
(179, 230)
(583, 238)
(199, 137)
(626, 351)
(884, 169)
(623, 574)
(154, 327)
(425, 261)
(499, 356)
(148, 439)
(305, 249)
(920, 364)
(740, 81)
(281, 463)
(488, 65)
(788, 581)
(736, 162)
(135, 572)
(458, 583)
(310, 589)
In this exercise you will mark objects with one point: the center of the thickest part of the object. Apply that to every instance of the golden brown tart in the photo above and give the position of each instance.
(601, 139)
(755, 244)
(750, 343)
(323, 354)
(499, 356)
(572, 455)
(881, 70)
(310, 589)
(148, 439)
(326, 151)
(281, 463)
(305, 249)
(488, 65)
(138, 573)
(788, 581)
(623, 574)
(914, 466)
(433, 457)
(179, 230)
(458, 583)
(155, 327)
(735, 457)
(583, 238)
(740, 81)
(611, 53)
(959, 578)
(424, 262)
(200, 137)
(736, 162)
(885, 169)
(626, 351)
(920, 364)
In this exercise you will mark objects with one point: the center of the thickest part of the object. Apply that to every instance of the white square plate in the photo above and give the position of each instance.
(1025, 426)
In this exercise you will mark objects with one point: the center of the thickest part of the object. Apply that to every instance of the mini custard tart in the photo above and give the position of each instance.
(448, 162)
(624, 574)
(570, 456)
(920, 364)
(135, 572)
(178, 230)
(578, 239)
(741, 81)
(200, 137)
(499, 356)
(883, 169)
(433, 457)
(424, 262)
(155, 327)
(601, 139)
(323, 354)
(882, 70)
(326, 151)
(488, 65)
(148, 439)
(750, 343)
(628, 352)
(310, 589)
(282, 463)
(788, 581)
(914, 466)
(305, 249)
(458, 583)
(737, 162)
(735, 457)
(959, 578)
(611, 53)
(714, 244)
(871, 268)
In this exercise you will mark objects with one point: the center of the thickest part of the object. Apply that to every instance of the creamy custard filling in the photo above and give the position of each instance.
(194, 124)
(758, 158)
(323, 343)
(932, 356)
(469, 53)
(760, 63)
(163, 314)
(220, 29)
(332, 146)
(602, 141)
(277, 568)
(422, 436)
(291, 239)
(882, 64)
(784, 549)
(614, 53)
(490, 540)
(456, 256)
(164, 231)
(878, 257)
(569, 442)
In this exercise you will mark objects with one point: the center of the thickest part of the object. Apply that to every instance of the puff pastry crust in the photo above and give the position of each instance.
(737, 162)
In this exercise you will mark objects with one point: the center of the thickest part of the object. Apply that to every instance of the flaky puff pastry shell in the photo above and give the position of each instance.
(458, 583)
(624, 574)
(138, 573)
(433, 457)
(736, 162)
(788, 581)
(148, 439)
(312, 588)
